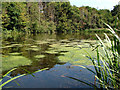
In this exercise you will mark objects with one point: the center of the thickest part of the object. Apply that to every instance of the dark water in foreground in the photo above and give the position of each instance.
(35, 52)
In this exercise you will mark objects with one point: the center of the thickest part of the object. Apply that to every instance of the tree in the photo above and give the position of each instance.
(13, 16)
(55, 17)
(116, 14)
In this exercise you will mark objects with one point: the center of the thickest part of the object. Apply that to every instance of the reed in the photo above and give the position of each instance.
(106, 63)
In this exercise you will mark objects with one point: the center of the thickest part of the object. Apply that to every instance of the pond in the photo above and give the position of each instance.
(61, 54)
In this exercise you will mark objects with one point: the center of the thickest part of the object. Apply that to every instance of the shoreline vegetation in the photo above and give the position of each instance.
(106, 64)
(56, 17)
(100, 30)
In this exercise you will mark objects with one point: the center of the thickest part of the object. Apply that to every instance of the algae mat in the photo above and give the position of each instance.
(77, 54)
(9, 62)
(39, 56)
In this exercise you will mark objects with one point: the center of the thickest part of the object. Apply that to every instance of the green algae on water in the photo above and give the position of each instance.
(33, 49)
(52, 52)
(33, 46)
(77, 57)
(76, 52)
(41, 42)
(9, 62)
(15, 54)
(39, 56)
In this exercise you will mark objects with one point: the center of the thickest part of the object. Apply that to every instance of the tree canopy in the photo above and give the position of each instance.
(55, 17)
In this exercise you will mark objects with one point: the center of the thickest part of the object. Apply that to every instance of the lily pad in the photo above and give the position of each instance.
(78, 57)
(8, 46)
(89, 41)
(34, 49)
(52, 52)
(75, 54)
(39, 56)
(9, 62)
(51, 40)
(17, 45)
(84, 45)
(33, 46)
(42, 42)
(15, 54)
(27, 44)
(55, 45)
(76, 40)
(12, 45)
(67, 45)
(64, 41)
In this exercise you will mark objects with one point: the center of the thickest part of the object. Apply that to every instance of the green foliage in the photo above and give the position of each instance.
(12, 17)
(116, 13)
(55, 17)
(106, 16)
(107, 63)
(107, 66)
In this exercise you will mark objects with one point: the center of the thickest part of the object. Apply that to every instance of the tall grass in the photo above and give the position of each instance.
(106, 63)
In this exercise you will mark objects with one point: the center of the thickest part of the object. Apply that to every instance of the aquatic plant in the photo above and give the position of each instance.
(76, 56)
(69, 52)
(106, 64)
(12, 60)
(39, 56)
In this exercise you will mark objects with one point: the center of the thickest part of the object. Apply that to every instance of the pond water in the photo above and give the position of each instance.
(61, 54)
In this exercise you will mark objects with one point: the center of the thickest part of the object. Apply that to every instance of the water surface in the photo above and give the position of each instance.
(59, 53)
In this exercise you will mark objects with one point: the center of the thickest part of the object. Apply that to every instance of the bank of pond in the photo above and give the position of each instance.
(97, 30)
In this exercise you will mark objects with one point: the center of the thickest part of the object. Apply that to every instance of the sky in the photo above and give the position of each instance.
(98, 4)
